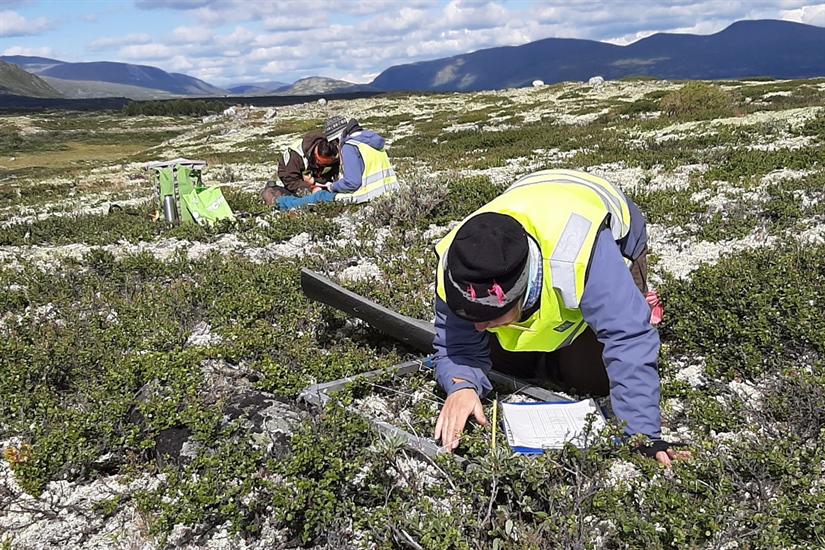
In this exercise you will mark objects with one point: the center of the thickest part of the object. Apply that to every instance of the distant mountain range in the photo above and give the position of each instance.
(154, 80)
(778, 49)
(763, 48)
(254, 88)
(106, 79)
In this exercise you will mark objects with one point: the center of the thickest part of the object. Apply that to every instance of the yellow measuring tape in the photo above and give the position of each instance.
(495, 413)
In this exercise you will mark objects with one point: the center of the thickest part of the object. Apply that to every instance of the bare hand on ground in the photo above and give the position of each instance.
(665, 457)
(457, 408)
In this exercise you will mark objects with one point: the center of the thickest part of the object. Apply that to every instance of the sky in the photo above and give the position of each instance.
(233, 42)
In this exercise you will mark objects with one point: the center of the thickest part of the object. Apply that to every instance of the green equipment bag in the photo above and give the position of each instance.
(181, 196)
(206, 206)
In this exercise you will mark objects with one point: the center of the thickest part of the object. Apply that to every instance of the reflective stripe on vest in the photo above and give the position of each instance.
(295, 146)
(377, 178)
(615, 201)
(564, 220)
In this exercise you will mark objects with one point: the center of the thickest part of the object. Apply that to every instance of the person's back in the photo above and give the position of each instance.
(366, 168)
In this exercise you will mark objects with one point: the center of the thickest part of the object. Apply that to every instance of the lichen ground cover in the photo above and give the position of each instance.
(149, 375)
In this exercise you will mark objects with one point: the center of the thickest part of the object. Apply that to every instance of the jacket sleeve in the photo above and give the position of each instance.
(619, 315)
(636, 239)
(462, 354)
(291, 173)
(352, 167)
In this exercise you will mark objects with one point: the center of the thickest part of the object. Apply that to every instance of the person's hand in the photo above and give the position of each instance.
(663, 451)
(457, 408)
(308, 179)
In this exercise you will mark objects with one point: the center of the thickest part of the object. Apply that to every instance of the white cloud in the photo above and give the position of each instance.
(171, 4)
(289, 23)
(357, 39)
(474, 15)
(406, 19)
(13, 24)
(180, 64)
(241, 37)
(146, 52)
(810, 15)
(32, 52)
(279, 67)
(189, 35)
(109, 42)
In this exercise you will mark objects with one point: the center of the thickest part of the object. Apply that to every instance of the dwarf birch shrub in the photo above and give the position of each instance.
(760, 311)
(697, 101)
(95, 364)
(732, 164)
(814, 127)
(327, 455)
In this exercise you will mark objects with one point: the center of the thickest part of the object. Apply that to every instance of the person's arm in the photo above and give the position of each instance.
(635, 241)
(615, 309)
(326, 175)
(461, 352)
(462, 360)
(352, 168)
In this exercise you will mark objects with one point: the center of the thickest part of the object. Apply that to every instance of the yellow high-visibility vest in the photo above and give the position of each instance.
(378, 176)
(563, 210)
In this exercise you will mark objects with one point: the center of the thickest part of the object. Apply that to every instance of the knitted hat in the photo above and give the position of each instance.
(334, 127)
(486, 269)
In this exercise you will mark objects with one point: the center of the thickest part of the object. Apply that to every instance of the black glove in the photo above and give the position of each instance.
(653, 446)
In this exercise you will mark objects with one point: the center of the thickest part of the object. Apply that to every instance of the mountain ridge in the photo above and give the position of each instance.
(16, 81)
(780, 49)
(748, 48)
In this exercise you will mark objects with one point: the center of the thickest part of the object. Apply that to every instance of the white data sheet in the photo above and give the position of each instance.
(532, 427)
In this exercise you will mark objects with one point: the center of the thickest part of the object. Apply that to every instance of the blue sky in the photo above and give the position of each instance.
(227, 42)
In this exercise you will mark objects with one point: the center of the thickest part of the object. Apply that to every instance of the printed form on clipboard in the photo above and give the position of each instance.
(532, 427)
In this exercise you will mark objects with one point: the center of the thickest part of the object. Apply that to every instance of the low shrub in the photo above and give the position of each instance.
(697, 101)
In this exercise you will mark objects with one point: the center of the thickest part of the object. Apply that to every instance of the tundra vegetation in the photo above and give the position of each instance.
(116, 331)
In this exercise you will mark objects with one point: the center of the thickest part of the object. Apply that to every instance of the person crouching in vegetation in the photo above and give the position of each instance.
(549, 281)
(365, 166)
(306, 165)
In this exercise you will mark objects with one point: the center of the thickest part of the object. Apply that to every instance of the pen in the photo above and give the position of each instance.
(525, 329)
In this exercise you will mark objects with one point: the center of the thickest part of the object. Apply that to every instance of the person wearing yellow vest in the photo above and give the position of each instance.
(548, 281)
(366, 171)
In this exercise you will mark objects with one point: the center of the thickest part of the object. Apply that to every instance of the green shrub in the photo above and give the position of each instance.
(756, 312)
(697, 101)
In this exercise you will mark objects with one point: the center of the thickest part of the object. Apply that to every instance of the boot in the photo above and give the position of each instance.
(269, 194)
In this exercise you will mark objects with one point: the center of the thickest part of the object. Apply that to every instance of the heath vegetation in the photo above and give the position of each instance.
(150, 375)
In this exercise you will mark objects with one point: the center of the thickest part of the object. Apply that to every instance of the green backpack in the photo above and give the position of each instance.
(181, 196)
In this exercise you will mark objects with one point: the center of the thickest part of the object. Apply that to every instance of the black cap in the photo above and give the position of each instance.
(486, 269)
